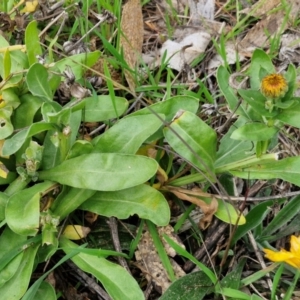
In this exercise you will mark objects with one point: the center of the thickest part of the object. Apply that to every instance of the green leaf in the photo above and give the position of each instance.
(67, 202)
(78, 62)
(23, 209)
(259, 60)
(13, 144)
(101, 108)
(37, 82)
(231, 150)
(16, 287)
(192, 286)
(3, 202)
(290, 77)
(257, 101)
(287, 169)
(254, 132)
(235, 294)
(80, 147)
(197, 142)
(23, 116)
(6, 128)
(254, 218)
(284, 216)
(143, 200)
(45, 292)
(32, 42)
(19, 63)
(11, 98)
(102, 171)
(233, 279)
(291, 115)
(229, 214)
(229, 93)
(9, 241)
(118, 140)
(170, 107)
(116, 280)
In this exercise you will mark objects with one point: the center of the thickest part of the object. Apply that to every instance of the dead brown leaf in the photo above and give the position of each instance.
(258, 36)
(208, 209)
(132, 32)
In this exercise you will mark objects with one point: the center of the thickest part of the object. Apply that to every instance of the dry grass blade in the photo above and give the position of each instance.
(132, 36)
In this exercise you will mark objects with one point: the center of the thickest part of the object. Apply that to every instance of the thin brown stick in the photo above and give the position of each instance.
(113, 225)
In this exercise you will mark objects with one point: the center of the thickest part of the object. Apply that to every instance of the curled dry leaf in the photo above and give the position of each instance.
(208, 209)
(132, 32)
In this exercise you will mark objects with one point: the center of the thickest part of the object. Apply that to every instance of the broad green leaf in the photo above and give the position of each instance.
(118, 283)
(194, 140)
(231, 150)
(45, 292)
(103, 171)
(127, 135)
(291, 115)
(228, 213)
(287, 169)
(32, 42)
(254, 132)
(16, 287)
(143, 200)
(23, 116)
(78, 62)
(259, 60)
(170, 107)
(23, 209)
(37, 82)
(193, 286)
(67, 203)
(80, 147)
(8, 241)
(284, 216)
(11, 98)
(101, 108)
(13, 144)
(6, 127)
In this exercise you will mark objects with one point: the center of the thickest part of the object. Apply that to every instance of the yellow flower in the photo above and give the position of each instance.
(274, 86)
(291, 257)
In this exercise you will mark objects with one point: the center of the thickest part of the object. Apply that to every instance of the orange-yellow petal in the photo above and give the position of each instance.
(274, 86)
(278, 256)
(295, 245)
(295, 262)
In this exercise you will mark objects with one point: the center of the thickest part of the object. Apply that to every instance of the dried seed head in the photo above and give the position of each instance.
(274, 86)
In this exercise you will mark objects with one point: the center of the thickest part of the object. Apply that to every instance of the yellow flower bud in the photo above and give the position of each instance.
(274, 86)
(76, 232)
